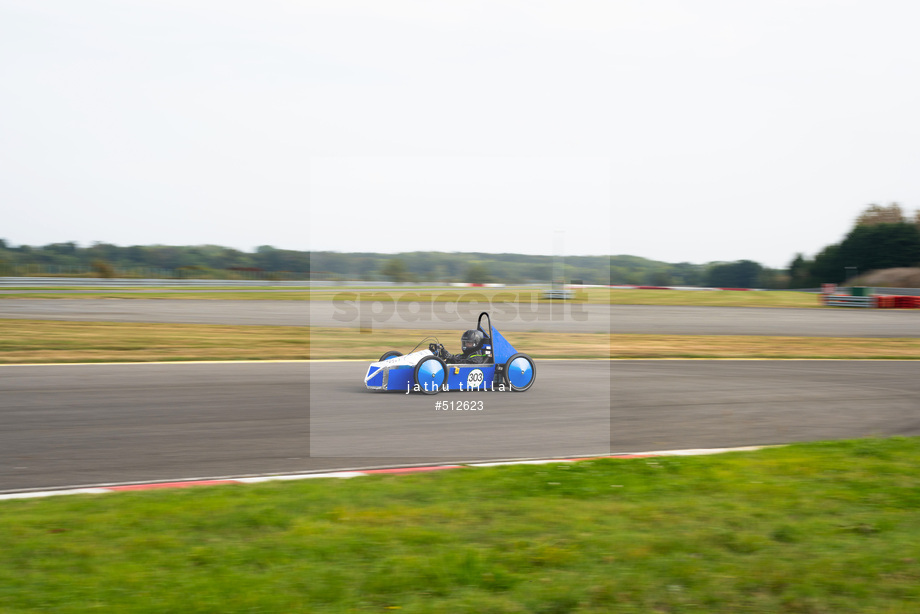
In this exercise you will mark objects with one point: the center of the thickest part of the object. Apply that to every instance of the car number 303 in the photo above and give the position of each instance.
(458, 405)
(474, 379)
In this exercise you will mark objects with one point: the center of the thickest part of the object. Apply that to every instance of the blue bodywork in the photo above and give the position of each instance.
(501, 349)
(398, 373)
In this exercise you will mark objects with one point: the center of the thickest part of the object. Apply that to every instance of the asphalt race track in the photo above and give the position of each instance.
(191, 311)
(644, 319)
(92, 424)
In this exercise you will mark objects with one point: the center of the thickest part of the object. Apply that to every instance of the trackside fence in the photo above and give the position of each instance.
(864, 297)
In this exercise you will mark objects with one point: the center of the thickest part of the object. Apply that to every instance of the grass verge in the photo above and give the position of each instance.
(739, 346)
(49, 341)
(46, 341)
(812, 528)
(716, 298)
(703, 298)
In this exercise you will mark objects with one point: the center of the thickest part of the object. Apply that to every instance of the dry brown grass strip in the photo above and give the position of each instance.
(40, 341)
(739, 346)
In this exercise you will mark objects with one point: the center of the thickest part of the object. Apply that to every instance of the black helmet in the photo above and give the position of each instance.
(471, 341)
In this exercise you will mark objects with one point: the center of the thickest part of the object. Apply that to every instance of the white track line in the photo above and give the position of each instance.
(109, 488)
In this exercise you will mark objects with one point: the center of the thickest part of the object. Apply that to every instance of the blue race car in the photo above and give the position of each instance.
(495, 365)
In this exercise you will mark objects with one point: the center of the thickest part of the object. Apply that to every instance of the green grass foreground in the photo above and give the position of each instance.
(816, 528)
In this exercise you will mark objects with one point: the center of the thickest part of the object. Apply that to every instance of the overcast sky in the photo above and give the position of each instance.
(677, 130)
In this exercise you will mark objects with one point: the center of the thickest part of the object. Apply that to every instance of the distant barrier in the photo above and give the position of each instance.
(864, 297)
(897, 302)
(844, 300)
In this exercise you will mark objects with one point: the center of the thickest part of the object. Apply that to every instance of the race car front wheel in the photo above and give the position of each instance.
(430, 374)
(520, 372)
(390, 354)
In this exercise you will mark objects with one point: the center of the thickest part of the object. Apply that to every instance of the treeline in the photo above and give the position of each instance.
(883, 237)
(471, 267)
(266, 262)
(632, 270)
(107, 260)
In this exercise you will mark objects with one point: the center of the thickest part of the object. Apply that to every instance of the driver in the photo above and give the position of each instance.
(473, 354)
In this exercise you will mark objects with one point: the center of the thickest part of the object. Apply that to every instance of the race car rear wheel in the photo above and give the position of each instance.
(430, 374)
(390, 354)
(520, 372)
